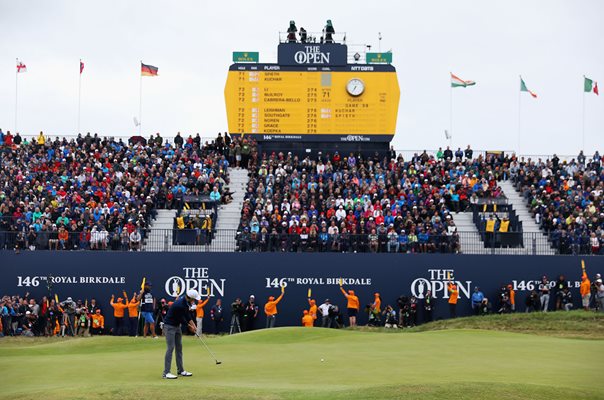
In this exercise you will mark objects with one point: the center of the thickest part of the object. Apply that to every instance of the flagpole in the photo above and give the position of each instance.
(16, 94)
(450, 108)
(79, 95)
(519, 114)
(140, 106)
(583, 130)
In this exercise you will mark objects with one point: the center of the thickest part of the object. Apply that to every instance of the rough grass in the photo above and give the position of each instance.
(573, 324)
(439, 362)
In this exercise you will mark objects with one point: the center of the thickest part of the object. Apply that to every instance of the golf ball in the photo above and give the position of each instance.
(322, 360)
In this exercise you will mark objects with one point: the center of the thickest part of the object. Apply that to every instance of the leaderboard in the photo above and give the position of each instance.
(267, 100)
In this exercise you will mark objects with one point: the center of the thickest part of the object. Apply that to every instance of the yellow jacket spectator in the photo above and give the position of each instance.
(41, 139)
(504, 226)
(490, 226)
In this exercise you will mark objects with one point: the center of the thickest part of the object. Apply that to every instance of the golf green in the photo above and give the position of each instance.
(286, 363)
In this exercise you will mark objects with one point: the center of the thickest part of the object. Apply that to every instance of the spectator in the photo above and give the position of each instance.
(544, 289)
(352, 307)
(270, 309)
(477, 298)
(216, 315)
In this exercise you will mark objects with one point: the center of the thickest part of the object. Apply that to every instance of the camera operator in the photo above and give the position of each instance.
(413, 311)
(69, 311)
(237, 311)
(250, 313)
(532, 302)
(566, 299)
(504, 300)
(428, 306)
(402, 302)
(390, 317)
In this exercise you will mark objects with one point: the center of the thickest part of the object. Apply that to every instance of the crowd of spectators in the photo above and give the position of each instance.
(566, 200)
(351, 203)
(98, 193)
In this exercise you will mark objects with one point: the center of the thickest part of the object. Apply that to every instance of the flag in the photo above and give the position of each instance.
(458, 82)
(148, 70)
(523, 88)
(143, 284)
(21, 67)
(590, 86)
(81, 67)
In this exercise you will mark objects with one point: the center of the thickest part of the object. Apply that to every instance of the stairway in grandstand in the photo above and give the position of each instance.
(535, 240)
(230, 214)
(469, 237)
(160, 237)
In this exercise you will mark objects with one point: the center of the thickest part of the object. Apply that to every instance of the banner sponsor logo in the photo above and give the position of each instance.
(197, 278)
(437, 281)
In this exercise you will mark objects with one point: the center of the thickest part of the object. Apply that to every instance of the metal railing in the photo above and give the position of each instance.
(230, 240)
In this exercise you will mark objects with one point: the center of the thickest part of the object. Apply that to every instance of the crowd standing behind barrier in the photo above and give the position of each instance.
(47, 316)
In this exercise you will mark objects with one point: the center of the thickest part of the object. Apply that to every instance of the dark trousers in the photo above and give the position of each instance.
(132, 325)
(453, 310)
(217, 326)
(118, 329)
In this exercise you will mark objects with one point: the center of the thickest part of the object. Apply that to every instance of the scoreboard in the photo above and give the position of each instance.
(312, 103)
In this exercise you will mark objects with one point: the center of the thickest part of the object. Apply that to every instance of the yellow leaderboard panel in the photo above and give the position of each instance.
(307, 102)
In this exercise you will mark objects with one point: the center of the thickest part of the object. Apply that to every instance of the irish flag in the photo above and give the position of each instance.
(590, 86)
(523, 88)
(458, 82)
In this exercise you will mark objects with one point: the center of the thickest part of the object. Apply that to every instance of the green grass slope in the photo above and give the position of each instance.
(285, 363)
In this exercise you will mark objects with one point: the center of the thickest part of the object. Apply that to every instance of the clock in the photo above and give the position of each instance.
(355, 87)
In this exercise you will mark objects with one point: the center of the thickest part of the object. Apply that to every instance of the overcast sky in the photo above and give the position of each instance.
(551, 43)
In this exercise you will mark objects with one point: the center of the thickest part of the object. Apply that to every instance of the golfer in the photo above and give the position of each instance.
(178, 313)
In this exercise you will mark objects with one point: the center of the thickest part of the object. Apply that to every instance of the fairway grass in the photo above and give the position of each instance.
(285, 363)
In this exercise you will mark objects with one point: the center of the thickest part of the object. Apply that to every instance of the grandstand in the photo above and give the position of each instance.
(282, 202)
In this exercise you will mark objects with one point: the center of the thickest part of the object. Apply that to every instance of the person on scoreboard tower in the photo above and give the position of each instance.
(291, 32)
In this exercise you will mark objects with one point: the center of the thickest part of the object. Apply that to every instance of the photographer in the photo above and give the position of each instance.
(250, 313)
(237, 311)
(532, 302)
(390, 317)
(69, 311)
(566, 299)
(504, 300)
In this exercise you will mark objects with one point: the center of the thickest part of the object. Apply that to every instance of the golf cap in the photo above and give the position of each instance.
(69, 299)
(252, 296)
(326, 300)
(192, 293)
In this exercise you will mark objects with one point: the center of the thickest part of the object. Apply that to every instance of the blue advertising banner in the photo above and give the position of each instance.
(302, 54)
(86, 275)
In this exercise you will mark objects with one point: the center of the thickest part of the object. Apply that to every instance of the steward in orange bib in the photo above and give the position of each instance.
(118, 313)
(453, 294)
(199, 313)
(312, 310)
(98, 323)
(133, 314)
(352, 306)
(270, 309)
(307, 320)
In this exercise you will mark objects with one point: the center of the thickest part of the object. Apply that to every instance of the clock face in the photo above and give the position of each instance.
(355, 87)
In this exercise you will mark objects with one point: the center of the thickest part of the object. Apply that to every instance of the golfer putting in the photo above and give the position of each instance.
(178, 313)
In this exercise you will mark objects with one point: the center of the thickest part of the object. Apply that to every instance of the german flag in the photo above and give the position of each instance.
(148, 70)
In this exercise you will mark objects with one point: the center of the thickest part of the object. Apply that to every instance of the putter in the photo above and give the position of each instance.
(208, 349)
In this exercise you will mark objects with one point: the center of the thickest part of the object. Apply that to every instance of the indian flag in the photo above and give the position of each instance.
(458, 82)
(523, 88)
